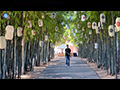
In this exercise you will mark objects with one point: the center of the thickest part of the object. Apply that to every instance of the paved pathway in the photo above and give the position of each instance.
(78, 69)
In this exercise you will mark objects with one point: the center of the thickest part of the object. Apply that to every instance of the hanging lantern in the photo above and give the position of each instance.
(43, 16)
(2, 42)
(75, 12)
(46, 37)
(9, 32)
(33, 32)
(83, 29)
(100, 25)
(56, 28)
(94, 25)
(41, 43)
(30, 24)
(90, 32)
(40, 23)
(54, 14)
(118, 23)
(116, 30)
(78, 26)
(97, 30)
(89, 24)
(66, 26)
(76, 30)
(85, 36)
(62, 23)
(74, 34)
(102, 18)
(111, 31)
(19, 32)
(83, 17)
(96, 45)
(81, 42)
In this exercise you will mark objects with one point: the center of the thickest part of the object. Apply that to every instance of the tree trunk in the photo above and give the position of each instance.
(4, 65)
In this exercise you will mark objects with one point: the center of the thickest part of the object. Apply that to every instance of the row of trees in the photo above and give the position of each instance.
(106, 54)
(99, 48)
(23, 53)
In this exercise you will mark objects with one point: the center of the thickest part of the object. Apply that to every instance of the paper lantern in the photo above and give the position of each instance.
(19, 32)
(46, 37)
(9, 32)
(30, 24)
(118, 23)
(83, 17)
(116, 30)
(62, 23)
(74, 34)
(96, 45)
(41, 43)
(111, 30)
(81, 42)
(94, 25)
(83, 29)
(43, 16)
(100, 25)
(56, 28)
(2, 42)
(33, 32)
(75, 30)
(89, 24)
(90, 32)
(54, 14)
(78, 26)
(75, 12)
(97, 30)
(102, 18)
(85, 36)
(40, 23)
